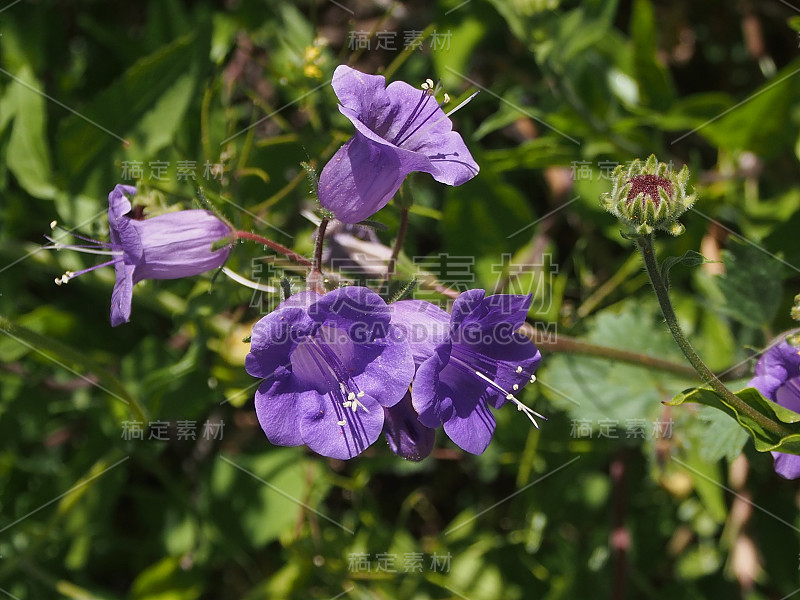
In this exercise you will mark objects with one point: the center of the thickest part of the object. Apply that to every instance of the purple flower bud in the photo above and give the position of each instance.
(331, 364)
(777, 377)
(399, 130)
(168, 246)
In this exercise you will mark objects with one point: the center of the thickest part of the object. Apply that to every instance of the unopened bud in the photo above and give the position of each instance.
(648, 196)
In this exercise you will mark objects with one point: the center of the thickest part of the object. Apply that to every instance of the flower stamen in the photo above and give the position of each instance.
(327, 363)
(529, 412)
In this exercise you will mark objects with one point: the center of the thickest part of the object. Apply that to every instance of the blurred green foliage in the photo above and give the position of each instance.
(617, 494)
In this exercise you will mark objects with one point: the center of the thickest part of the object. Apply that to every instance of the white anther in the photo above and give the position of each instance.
(429, 82)
(533, 378)
(341, 423)
(509, 396)
(351, 396)
(447, 98)
(360, 395)
(53, 224)
(347, 404)
(64, 278)
(424, 85)
(515, 387)
(519, 369)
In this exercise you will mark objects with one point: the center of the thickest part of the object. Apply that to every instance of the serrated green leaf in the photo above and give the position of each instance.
(596, 389)
(721, 436)
(751, 285)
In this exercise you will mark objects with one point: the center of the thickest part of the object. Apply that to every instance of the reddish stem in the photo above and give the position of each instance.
(280, 249)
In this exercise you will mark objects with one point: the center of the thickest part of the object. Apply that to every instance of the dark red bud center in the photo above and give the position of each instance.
(648, 185)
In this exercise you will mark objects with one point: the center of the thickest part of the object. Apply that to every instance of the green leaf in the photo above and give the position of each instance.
(596, 389)
(721, 436)
(166, 580)
(465, 37)
(145, 107)
(751, 285)
(28, 158)
(272, 489)
(690, 259)
(655, 86)
(764, 440)
(762, 122)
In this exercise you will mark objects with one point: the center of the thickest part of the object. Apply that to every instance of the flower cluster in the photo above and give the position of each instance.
(340, 367)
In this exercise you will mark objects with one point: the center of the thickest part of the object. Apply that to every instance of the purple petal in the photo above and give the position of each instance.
(778, 363)
(386, 369)
(354, 309)
(320, 418)
(360, 179)
(423, 325)
(507, 363)
(432, 397)
(273, 338)
(430, 133)
(118, 202)
(179, 244)
(788, 394)
(399, 130)
(406, 117)
(357, 330)
(277, 403)
(766, 384)
(406, 436)
(122, 296)
(465, 304)
(124, 236)
(471, 430)
(787, 465)
(365, 95)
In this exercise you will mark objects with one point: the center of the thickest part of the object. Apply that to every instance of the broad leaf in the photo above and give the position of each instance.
(763, 439)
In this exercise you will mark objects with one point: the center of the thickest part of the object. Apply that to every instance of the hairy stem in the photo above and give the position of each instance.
(315, 277)
(645, 246)
(398, 243)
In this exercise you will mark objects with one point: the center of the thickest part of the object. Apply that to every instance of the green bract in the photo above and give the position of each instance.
(649, 196)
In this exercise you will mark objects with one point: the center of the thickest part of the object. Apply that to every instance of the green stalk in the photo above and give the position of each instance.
(645, 246)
